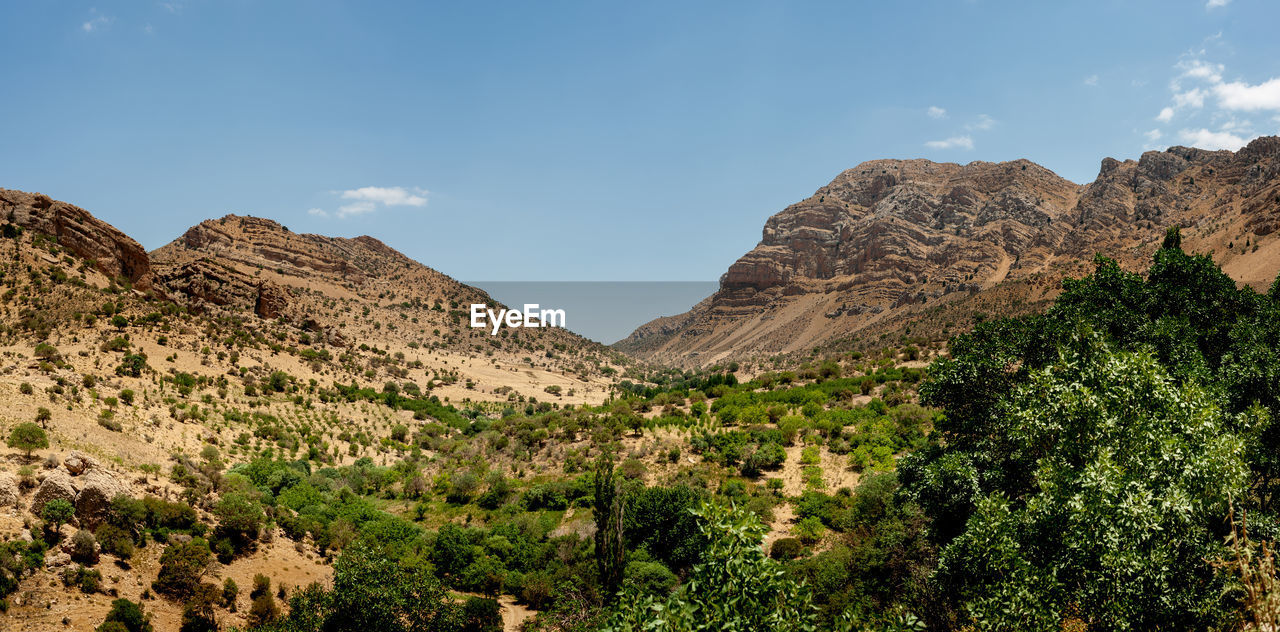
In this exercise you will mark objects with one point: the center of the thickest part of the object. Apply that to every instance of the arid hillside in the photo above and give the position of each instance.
(893, 241)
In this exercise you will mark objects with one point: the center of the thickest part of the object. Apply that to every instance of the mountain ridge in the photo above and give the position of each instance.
(889, 236)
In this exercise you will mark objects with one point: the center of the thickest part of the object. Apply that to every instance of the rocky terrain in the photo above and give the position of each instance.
(892, 242)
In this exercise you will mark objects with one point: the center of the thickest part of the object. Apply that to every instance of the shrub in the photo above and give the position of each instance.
(230, 594)
(115, 541)
(86, 579)
(263, 610)
(261, 586)
(786, 549)
(84, 548)
(181, 567)
(239, 519)
(648, 578)
(126, 616)
(57, 512)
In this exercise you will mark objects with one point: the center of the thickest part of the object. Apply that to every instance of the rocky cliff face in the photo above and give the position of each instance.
(889, 237)
(115, 254)
(258, 265)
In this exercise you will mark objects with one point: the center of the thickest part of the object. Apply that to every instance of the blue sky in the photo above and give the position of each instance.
(592, 140)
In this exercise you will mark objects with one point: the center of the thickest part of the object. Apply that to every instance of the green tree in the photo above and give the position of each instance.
(734, 588)
(239, 519)
(28, 437)
(606, 510)
(1102, 491)
(372, 592)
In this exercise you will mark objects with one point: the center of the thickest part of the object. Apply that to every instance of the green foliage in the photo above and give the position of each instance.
(1092, 450)
(733, 588)
(127, 616)
(606, 510)
(182, 566)
(28, 437)
(372, 592)
(57, 512)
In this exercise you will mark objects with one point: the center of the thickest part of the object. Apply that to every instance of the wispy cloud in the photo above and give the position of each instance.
(955, 142)
(1165, 115)
(1214, 4)
(96, 22)
(1091, 80)
(365, 200)
(936, 112)
(983, 123)
(1206, 139)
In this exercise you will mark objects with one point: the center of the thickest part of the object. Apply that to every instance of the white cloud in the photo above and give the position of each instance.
(1238, 95)
(1193, 98)
(1200, 69)
(387, 196)
(1165, 115)
(1091, 80)
(97, 22)
(1154, 135)
(1205, 139)
(961, 142)
(936, 112)
(356, 208)
(1213, 4)
(983, 123)
(365, 200)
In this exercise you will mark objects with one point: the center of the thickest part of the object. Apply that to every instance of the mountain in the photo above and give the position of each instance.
(891, 243)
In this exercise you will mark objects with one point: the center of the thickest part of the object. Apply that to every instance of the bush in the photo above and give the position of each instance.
(57, 512)
(239, 519)
(126, 616)
(198, 611)
(84, 548)
(86, 579)
(481, 615)
(648, 578)
(115, 541)
(230, 594)
(261, 586)
(181, 567)
(786, 549)
(263, 610)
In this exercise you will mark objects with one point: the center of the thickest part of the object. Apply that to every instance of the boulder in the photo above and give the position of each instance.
(78, 462)
(56, 484)
(97, 488)
(9, 494)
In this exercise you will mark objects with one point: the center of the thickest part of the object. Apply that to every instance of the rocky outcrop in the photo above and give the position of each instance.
(98, 487)
(271, 300)
(57, 485)
(889, 236)
(83, 482)
(115, 254)
(203, 282)
(9, 493)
